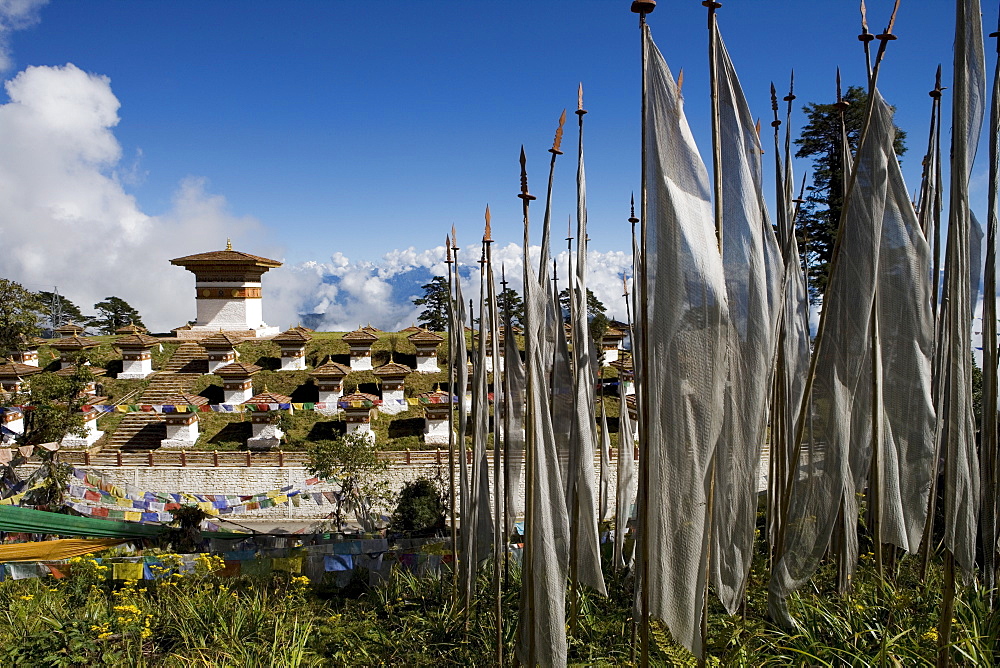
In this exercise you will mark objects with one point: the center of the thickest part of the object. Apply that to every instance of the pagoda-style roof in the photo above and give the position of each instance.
(137, 341)
(300, 328)
(224, 258)
(71, 343)
(613, 334)
(393, 370)
(362, 397)
(623, 364)
(331, 370)
(71, 369)
(237, 370)
(224, 340)
(69, 329)
(187, 400)
(266, 397)
(29, 343)
(438, 396)
(293, 336)
(630, 402)
(12, 369)
(360, 336)
(130, 328)
(425, 336)
(371, 330)
(410, 329)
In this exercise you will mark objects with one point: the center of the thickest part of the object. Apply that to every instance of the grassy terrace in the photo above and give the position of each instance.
(230, 431)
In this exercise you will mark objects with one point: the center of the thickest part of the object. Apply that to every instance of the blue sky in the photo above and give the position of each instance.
(315, 128)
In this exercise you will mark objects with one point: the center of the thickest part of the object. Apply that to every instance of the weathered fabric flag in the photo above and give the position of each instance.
(906, 336)
(514, 435)
(990, 456)
(754, 272)
(542, 623)
(686, 333)
(625, 489)
(581, 496)
(467, 561)
(481, 422)
(838, 408)
(958, 447)
(604, 479)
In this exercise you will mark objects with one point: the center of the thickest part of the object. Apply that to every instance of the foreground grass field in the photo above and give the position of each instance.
(198, 619)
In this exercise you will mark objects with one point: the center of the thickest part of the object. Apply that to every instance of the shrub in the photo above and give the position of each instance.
(421, 509)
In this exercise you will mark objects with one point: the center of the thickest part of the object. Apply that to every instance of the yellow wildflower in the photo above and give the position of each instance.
(27, 597)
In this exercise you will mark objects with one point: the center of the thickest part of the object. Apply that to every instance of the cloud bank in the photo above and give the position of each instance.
(67, 221)
(15, 15)
(342, 295)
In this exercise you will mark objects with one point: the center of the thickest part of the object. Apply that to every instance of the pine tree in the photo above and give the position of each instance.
(509, 299)
(67, 311)
(18, 316)
(435, 302)
(113, 313)
(819, 217)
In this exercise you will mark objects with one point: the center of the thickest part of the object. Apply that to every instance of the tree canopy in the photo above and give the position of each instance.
(113, 313)
(509, 299)
(58, 310)
(596, 313)
(819, 216)
(18, 315)
(435, 302)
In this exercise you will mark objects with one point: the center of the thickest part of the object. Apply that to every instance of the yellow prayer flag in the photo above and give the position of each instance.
(126, 571)
(124, 503)
(133, 516)
(288, 564)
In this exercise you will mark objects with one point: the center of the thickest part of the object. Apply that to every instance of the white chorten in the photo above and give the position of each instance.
(228, 292)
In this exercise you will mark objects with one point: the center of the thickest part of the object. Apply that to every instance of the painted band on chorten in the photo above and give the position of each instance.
(228, 293)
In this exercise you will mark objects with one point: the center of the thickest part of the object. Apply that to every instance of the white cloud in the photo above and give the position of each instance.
(15, 15)
(350, 294)
(67, 221)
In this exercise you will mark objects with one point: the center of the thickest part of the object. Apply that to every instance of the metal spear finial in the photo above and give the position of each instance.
(841, 105)
(454, 241)
(774, 107)
(524, 169)
(632, 219)
(447, 247)
(487, 235)
(865, 36)
(791, 89)
(887, 35)
(557, 142)
(580, 111)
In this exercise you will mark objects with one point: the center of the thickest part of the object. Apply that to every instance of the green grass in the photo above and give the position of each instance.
(414, 621)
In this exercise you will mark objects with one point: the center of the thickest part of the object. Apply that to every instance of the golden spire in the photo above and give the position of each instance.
(229, 244)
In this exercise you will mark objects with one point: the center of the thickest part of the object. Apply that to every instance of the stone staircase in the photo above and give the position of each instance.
(144, 431)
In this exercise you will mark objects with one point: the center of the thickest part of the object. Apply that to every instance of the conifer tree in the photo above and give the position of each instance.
(820, 140)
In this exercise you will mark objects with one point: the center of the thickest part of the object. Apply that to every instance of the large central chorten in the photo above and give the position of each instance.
(228, 293)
